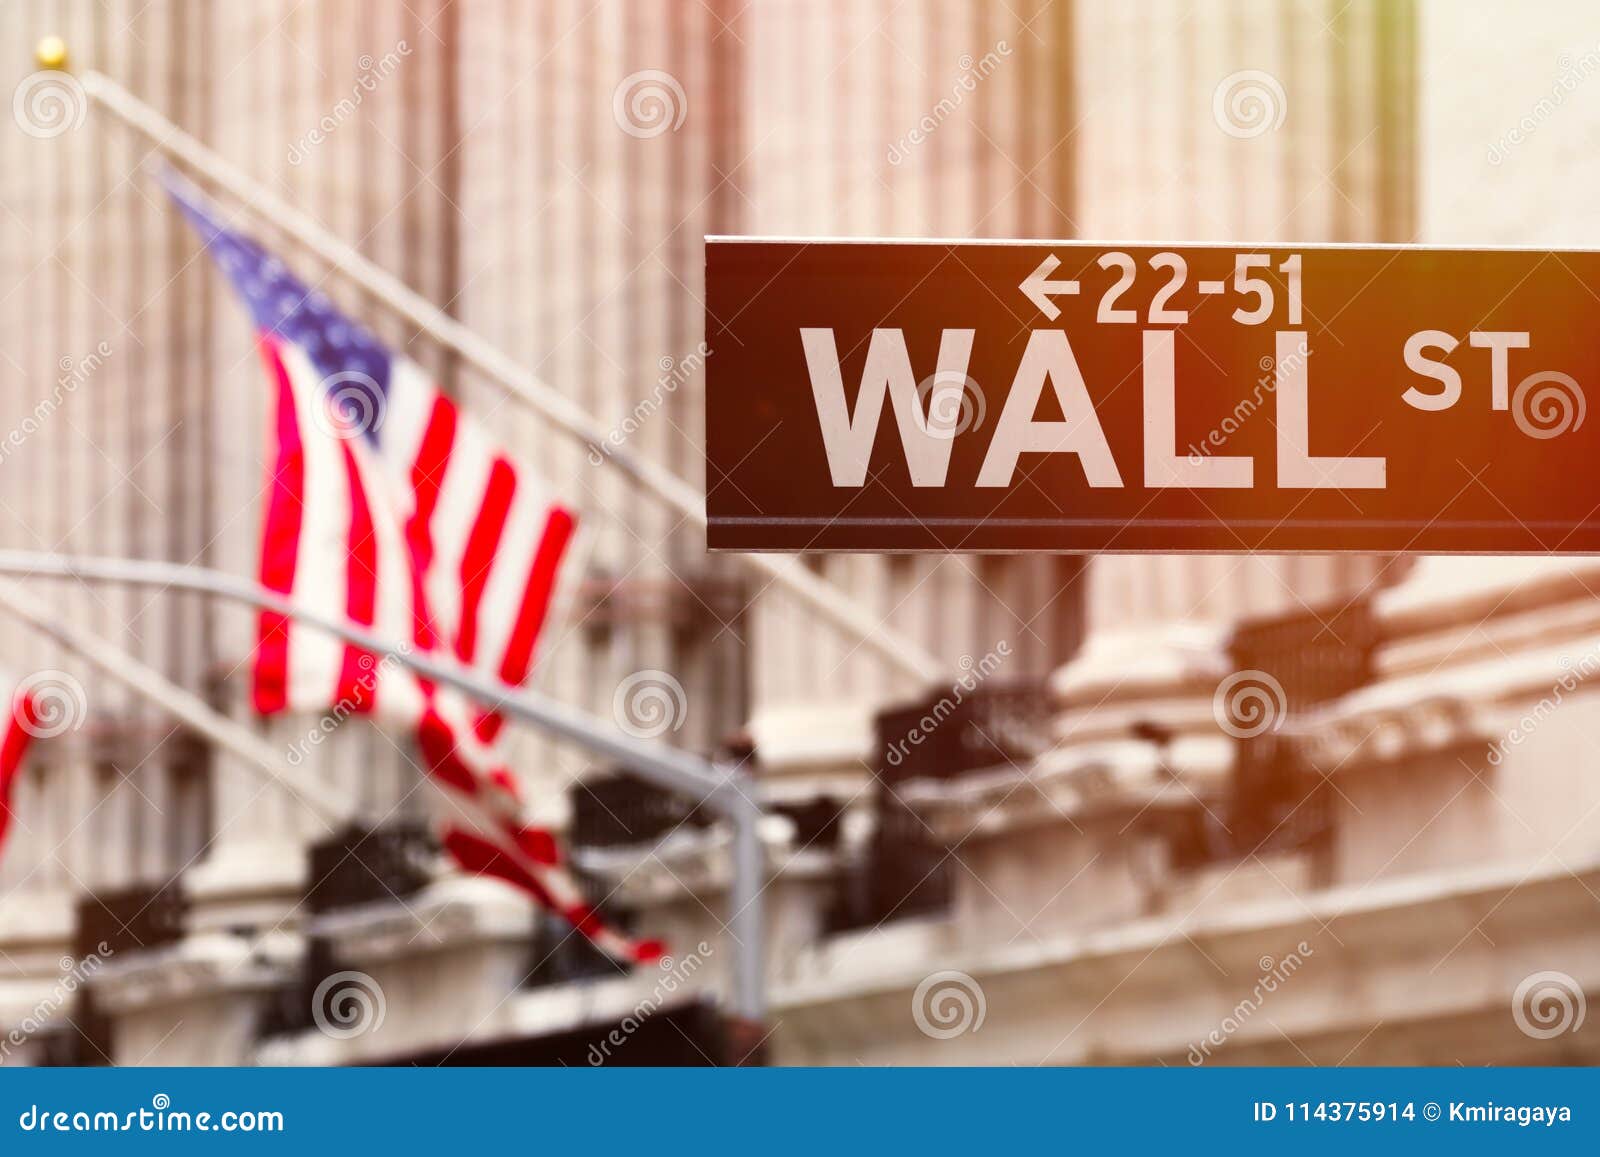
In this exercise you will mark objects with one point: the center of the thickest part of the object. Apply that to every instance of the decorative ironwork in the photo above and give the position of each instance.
(905, 872)
(953, 731)
(130, 919)
(616, 809)
(289, 1008)
(816, 822)
(363, 865)
(112, 923)
(1277, 800)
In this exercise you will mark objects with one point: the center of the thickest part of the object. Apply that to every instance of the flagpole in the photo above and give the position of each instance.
(196, 714)
(728, 791)
(822, 597)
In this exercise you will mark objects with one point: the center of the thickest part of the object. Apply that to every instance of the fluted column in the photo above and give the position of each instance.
(1322, 167)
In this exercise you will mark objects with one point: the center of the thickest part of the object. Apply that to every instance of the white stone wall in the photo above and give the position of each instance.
(1509, 137)
(105, 411)
(1155, 162)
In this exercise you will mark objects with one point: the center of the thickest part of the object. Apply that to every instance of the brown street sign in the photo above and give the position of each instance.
(1072, 396)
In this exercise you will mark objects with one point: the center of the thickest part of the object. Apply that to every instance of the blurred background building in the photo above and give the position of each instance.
(1087, 862)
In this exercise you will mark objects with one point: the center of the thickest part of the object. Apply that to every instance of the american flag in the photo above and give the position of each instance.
(387, 506)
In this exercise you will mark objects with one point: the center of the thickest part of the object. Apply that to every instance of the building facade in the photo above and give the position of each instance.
(1087, 861)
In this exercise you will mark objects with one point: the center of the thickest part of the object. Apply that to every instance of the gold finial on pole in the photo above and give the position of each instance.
(51, 52)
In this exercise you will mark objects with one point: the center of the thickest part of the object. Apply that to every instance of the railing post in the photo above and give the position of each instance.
(747, 1029)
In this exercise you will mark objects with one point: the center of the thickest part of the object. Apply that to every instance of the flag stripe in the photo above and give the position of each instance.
(322, 572)
(427, 476)
(437, 740)
(361, 591)
(530, 616)
(22, 716)
(399, 603)
(558, 529)
(551, 887)
(459, 500)
(480, 553)
(280, 539)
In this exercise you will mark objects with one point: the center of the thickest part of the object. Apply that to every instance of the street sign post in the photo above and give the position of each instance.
(1069, 396)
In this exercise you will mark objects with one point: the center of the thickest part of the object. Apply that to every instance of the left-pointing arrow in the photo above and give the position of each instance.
(1038, 288)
